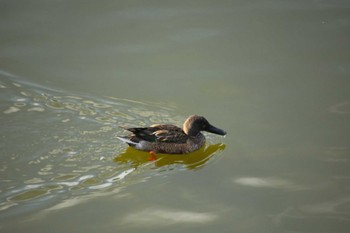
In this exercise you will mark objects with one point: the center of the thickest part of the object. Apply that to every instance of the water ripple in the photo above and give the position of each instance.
(58, 146)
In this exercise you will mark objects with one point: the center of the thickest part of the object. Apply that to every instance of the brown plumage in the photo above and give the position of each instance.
(170, 139)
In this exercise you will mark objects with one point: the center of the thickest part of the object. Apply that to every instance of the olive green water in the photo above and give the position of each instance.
(274, 74)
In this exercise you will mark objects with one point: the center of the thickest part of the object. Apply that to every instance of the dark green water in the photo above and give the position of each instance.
(274, 75)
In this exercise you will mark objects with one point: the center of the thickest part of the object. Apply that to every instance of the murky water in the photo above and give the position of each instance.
(274, 75)
(56, 146)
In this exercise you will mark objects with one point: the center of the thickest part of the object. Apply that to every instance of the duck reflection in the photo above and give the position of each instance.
(191, 161)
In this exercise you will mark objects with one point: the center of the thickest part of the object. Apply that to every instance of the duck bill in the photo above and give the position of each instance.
(213, 129)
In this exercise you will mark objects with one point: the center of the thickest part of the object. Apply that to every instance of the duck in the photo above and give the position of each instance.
(171, 139)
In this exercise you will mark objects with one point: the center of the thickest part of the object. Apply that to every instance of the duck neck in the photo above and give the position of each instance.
(192, 132)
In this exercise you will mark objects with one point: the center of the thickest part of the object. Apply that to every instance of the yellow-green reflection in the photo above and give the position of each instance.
(191, 161)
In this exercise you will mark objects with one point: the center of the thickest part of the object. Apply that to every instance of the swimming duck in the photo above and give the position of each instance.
(170, 139)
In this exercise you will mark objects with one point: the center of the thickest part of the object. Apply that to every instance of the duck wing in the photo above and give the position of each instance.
(160, 133)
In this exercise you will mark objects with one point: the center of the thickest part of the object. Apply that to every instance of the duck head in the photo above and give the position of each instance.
(194, 124)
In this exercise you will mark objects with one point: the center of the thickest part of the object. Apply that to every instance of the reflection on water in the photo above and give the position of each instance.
(164, 217)
(340, 108)
(190, 161)
(57, 146)
(329, 216)
(274, 73)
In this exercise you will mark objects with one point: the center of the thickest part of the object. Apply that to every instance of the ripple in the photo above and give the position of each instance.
(121, 176)
(340, 108)
(36, 109)
(54, 104)
(269, 182)
(106, 119)
(63, 145)
(11, 109)
(20, 104)
(31, 192)
(163, 217)
(65, 177)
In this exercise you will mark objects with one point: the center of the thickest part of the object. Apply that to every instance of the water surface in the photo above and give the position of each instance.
(274, 75)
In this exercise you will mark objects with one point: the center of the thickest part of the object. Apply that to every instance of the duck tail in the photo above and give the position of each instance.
(127, 140)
